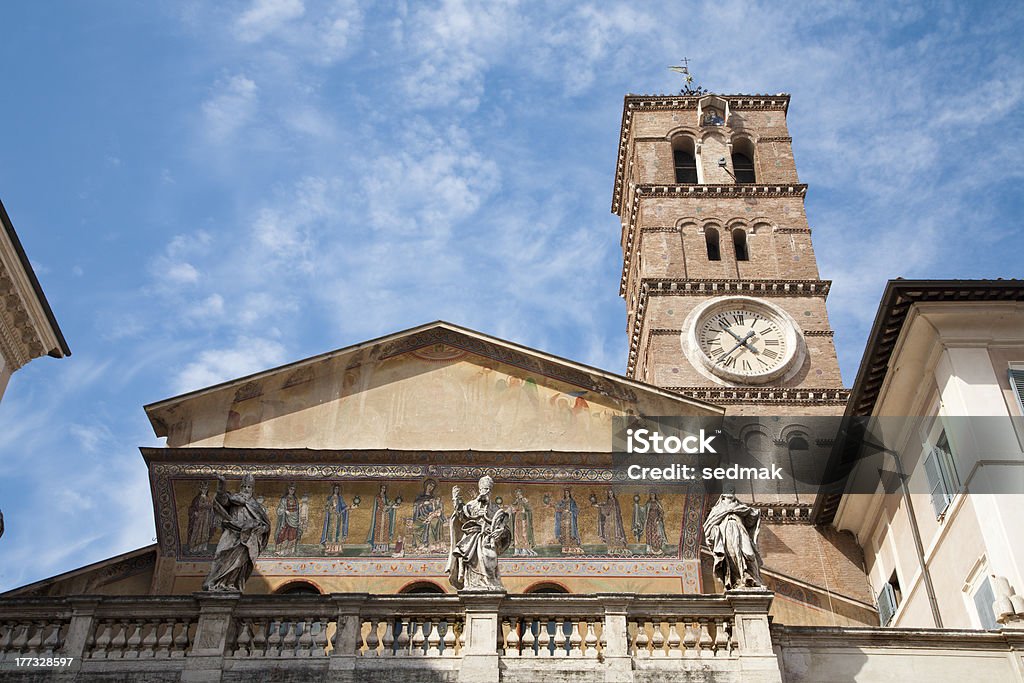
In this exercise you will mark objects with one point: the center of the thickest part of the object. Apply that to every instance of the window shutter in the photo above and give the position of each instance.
(886, 604)
(935, 485)
(1017, 384)
(983, 600)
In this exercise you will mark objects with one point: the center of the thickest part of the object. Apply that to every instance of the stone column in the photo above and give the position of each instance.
(205, 661)
(480, 637)
(750, 628)
(83, 617)
(347, 638)
(617, 659)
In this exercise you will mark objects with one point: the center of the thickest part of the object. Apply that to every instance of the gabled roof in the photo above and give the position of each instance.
(440, 332)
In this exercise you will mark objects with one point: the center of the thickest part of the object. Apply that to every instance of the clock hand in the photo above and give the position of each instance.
(729, 330)
(741, 342)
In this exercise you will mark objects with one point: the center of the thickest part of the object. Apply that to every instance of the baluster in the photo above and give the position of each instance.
(289, 638)
(602, 642)
(658, 640)
(449, 639)
(705, 642)
(258, 646)
(590, 641)
(642, 640)
(181, 640)
(149, 642)
(51, 643)
(690, 640)
(387, 642)
(544, 638)
(320, 637)
(18, 644)
(404, 641)
(134, 640)
(575, 640)
(631, 631)
(673, 642)
(243, 639)
(721, 639)
(528, 639)
(512, 640)
(459, 629)
(372, 641)
(418, 638)
(120, 640)
(274, 639)
(733, 643)
(306, 639)
(164, 641)
(35, 641)
(433, 639)
(559, 638)
(6, 636)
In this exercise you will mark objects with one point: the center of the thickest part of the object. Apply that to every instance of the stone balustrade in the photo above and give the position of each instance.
(471, 636)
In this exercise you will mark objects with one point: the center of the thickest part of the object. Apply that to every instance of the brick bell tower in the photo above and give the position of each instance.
(724, 300)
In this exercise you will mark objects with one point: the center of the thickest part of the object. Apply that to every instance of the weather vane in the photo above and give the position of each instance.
(688, 87)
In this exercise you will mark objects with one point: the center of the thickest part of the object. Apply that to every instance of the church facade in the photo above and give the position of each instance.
(356, 453)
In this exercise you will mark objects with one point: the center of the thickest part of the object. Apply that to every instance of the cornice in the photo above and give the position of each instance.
(693, 192)
(634, 103)
(19, 339)
(767, 395)
(777, 138)
(713, 287)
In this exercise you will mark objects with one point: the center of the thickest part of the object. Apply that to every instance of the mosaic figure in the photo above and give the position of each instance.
(567, 527)
(336, 510)
(522, 525)
(638, 518)
(289, 523)
(654, 525)
(730, 532)
(609, 523)
(428, 519)
(246, 533)
(480, 532)
(382, 522)
(201, 520)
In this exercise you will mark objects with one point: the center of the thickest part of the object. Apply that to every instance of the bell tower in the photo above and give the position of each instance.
(724, 299)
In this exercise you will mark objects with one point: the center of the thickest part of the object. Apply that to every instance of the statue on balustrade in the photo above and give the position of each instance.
(480, 531)
(730, 532)
(246, 532)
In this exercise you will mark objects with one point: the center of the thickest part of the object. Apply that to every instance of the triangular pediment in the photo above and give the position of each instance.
(434, 387)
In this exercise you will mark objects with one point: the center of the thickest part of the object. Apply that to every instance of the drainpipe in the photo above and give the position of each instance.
(919, 546)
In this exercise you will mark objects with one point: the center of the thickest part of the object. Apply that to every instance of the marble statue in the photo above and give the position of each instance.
(480, 531)
(246, 532)
(730, 531)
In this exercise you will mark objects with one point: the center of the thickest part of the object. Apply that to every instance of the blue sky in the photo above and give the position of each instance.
(207, 190)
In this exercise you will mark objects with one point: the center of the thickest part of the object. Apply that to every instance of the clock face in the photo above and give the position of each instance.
(744, 342)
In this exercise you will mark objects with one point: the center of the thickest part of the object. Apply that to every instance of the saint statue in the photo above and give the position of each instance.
(246, 532)
(730, 531)
(480, 531)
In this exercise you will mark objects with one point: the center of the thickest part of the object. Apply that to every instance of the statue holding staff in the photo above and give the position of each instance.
(246, 533)
(730, 532)
(480, 531)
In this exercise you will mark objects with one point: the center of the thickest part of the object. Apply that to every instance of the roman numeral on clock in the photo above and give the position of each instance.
(738, 318)
(771, 342)
(771, 353)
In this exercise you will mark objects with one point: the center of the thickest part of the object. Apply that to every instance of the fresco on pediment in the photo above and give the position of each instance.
(437, 397)
(375, 519)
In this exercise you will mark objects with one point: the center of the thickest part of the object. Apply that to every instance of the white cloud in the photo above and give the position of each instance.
(230, 107)
(246, 356)
(267, 16)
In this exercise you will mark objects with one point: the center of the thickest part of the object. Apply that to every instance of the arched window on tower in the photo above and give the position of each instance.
(685, 160)
(739, 243)
(714, 246)
(743, 161)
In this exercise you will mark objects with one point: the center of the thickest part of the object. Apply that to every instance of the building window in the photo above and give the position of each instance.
(889, 599)
(739, 243)
(743, 167)
(686, 167)
(983, 597)
(714, 248)
(1017, 384)
(940, 468)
